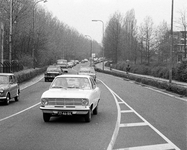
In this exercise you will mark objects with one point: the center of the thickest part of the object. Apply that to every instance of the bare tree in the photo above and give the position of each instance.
(146, 31)
(112, 37)
(162, 43)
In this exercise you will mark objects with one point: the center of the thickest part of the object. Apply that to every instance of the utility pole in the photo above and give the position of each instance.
(103, 41)
(171, 49)
(10, 36)
(185, 49)
(1, 45)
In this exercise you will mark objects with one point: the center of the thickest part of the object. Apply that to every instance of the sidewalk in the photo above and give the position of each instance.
(184, 84)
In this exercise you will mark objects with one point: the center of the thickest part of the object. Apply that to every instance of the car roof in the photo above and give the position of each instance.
(74, 75)
(53, 66)
(6, 74)
(86, 68)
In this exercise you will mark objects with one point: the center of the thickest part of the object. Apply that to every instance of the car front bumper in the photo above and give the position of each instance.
(81, 110)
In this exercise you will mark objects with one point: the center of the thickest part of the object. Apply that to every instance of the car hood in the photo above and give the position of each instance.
(3, 86)
(66, 93)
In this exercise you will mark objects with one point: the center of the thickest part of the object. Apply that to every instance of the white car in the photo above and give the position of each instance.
(88, 71)
(71, 94)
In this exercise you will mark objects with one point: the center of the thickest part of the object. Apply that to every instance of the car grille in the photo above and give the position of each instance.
(64, 101)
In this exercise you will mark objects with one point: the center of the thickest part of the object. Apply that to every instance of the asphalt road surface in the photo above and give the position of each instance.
(130, 116)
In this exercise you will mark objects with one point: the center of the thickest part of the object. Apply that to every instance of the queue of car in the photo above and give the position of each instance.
(68, 94)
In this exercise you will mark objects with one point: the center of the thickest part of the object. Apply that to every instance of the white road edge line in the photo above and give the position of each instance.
(157, 131)
(149, 147)
(183, 99)
(116, 130)
(34, 82)
(164, 93)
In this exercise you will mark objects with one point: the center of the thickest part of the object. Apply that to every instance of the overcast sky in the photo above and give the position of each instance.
(80, 13)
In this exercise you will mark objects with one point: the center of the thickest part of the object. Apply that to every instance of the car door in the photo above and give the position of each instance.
(13, 86)
(95, 93)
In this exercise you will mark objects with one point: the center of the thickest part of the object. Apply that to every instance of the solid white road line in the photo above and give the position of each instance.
(183, 99)
(157, 131)
(149, 147)
(116, 130)
(23, 86)
(153, 89)
(19, 112)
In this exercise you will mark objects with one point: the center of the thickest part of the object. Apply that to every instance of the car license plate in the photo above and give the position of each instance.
(66, 113)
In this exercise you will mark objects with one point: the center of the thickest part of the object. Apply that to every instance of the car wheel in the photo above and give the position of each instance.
(46, 117)
(46, 80)
(88, 116)
(7, 100)
(17, 96)
(95, 111)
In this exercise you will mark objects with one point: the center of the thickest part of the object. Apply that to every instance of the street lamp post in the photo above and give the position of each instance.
(103, 38)
(90, 50)
(171, 48)
(33, 48)
(10, 35)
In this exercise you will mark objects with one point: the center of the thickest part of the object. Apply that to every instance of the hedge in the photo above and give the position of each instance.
(172, 87)
(29, 74)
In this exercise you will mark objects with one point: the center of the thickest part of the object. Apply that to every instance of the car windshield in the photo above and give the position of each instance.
(71, 82)
(3, 79)
(53, 69)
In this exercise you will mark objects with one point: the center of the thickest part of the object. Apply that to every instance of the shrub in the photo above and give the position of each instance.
(181, 71)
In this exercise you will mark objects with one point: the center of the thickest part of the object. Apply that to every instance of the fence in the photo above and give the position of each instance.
(6, 67)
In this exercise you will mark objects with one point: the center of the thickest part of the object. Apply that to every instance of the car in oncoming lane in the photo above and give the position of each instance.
(9, 88)
(71, 94)
(51, 72)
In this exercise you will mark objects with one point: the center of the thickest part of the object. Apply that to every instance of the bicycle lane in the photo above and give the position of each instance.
(133, 132)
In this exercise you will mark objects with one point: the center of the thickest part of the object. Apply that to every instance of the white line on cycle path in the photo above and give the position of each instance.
(24, 86)
(164, 146)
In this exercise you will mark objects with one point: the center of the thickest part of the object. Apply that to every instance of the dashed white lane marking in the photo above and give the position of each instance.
(19, 112)
(116, 130)
(23, 87)
(150, 147)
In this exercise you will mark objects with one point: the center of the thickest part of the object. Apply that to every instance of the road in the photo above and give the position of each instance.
(130, 116)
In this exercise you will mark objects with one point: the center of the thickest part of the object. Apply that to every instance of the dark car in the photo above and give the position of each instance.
(51, 72)
(9, 88)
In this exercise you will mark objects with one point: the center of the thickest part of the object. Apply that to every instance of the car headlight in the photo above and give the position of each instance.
(1, 90)
(43, 102)
(85, 102)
